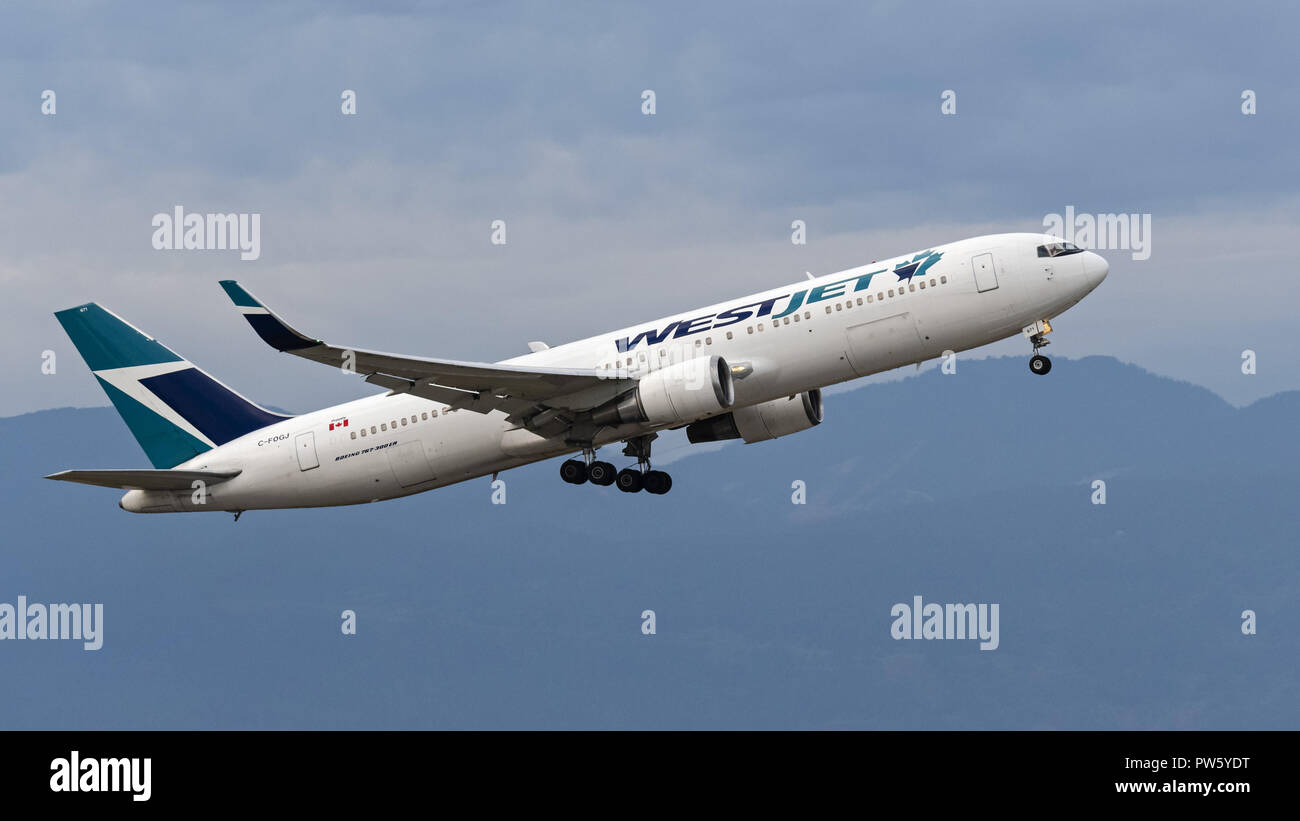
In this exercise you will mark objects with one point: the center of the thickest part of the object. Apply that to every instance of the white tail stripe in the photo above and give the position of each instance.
(127, 380)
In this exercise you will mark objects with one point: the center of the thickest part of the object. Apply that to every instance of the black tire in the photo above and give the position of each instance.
(629, 480)
(658, 482)
(1040, 364)
(574, 471)
(601, 473)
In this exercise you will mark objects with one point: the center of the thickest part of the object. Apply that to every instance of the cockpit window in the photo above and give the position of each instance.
(1058, 249)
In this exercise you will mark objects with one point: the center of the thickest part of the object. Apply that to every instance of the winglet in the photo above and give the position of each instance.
(274, 331)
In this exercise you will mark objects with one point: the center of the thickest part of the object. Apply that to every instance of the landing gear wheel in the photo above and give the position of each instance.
(657, 482)
(574, 471)
(630, 480)
(601, 473)
(1040, 364)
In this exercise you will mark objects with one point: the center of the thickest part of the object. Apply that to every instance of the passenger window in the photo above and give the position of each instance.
(354, 434)
(891, 292)
(394, 424)
(363, 431)
(839, 307)
(785, 321)
(750, 329)
(372, 429)
(403, 422)
(922, 285)
(728, 334)
(869, 298)
(698, 343)
(708, 340)
(760, 327)
(828, 309)
(911, 287)
(425, 416)
(807, 314)
(932, 283)
(859, 302)
(383, 426)
(796, 317)
(881, 296)
(943, 280)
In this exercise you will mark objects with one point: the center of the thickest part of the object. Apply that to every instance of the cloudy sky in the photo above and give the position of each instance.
(376, 227)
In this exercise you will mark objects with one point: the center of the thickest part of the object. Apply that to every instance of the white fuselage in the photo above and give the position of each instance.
(846, 326)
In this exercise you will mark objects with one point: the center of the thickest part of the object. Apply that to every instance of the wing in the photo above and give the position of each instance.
(521, 391)
(144, 479)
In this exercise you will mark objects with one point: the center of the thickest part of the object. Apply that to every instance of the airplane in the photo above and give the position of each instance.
(750, 368)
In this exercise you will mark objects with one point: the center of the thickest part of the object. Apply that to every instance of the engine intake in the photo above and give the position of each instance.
(766, 420)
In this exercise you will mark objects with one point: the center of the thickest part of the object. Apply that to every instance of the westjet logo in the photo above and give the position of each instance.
(757, 310)
(918, 266)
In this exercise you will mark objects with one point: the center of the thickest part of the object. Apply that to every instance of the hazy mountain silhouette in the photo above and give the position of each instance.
(970, 487)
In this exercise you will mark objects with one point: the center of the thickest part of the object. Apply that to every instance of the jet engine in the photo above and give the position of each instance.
(677, 393)
(766, 420)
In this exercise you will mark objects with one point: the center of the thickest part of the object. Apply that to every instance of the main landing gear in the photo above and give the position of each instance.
(628, 480)
(1037, 334)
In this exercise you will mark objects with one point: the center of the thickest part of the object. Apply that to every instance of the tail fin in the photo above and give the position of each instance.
(175, 410)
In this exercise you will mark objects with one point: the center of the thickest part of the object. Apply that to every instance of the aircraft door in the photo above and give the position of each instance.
(306, 447)
(986, 278)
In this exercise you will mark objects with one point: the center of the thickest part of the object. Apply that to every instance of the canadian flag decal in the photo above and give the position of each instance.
(341, 422)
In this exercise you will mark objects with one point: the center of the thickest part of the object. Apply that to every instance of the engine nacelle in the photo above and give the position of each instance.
(766, 420)
(680, 392)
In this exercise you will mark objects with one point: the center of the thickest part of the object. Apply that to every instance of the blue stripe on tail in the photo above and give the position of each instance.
(219, 413)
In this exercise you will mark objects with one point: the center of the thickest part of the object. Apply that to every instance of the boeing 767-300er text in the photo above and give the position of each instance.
(749, 368)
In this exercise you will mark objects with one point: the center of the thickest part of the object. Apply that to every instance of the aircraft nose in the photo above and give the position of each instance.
(1095, 269)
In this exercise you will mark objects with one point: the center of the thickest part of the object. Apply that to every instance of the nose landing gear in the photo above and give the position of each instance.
(1037, 334)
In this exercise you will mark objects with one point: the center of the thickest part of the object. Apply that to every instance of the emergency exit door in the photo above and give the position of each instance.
(986, 278)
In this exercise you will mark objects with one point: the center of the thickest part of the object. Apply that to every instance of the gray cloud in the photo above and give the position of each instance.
(375, 227)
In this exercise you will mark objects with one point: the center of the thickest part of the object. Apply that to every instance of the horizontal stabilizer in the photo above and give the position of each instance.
(144, 479)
